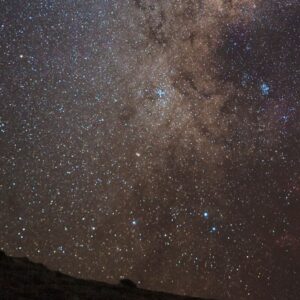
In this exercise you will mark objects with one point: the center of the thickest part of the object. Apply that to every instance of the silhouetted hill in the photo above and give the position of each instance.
(23, 279)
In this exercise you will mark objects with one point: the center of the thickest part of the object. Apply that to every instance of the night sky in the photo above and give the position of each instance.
(154, 140)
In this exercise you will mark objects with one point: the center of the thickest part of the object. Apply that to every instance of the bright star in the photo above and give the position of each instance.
(213, 229)
(160, 92)
(265, 89)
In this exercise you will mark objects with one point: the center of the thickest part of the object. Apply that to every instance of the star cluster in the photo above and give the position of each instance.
(154, 140)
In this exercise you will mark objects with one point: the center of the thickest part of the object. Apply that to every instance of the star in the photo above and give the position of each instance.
(160, 92)
(265, 89)
(213, 229)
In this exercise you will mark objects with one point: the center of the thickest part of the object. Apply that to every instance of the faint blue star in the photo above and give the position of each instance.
(246, 79)
(284, 118)
(205, 215)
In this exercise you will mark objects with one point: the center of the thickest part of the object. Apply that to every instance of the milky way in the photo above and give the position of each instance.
(154, 140)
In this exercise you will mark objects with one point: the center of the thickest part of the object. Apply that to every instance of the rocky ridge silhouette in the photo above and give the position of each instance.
(22, 279)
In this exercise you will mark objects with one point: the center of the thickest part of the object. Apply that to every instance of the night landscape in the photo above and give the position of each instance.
(150, 148)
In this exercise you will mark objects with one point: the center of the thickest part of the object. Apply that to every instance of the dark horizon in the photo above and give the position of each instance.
(23, 279)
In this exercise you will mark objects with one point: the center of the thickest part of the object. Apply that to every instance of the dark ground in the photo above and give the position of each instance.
(22, 279)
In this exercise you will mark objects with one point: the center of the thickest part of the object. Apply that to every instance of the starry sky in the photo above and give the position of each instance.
(154, 140)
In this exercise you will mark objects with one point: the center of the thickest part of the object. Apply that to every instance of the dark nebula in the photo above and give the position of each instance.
(154, 140)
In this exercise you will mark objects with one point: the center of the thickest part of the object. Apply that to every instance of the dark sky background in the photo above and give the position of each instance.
(156, 140)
